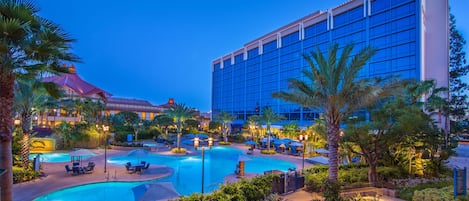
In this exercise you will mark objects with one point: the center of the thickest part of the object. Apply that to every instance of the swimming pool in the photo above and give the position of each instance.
(219, 162)
(55, 157)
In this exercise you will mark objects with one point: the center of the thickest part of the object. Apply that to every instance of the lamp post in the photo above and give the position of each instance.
(137, 128)
(303, 138)
(196, 145)
(105, 129)
(17, 123)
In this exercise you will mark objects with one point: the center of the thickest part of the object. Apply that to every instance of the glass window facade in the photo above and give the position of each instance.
(245, 87)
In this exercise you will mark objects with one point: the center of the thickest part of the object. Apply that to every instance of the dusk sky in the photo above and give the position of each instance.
(157, 49)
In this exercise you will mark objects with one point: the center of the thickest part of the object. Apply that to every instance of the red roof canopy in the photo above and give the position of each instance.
(78, 85)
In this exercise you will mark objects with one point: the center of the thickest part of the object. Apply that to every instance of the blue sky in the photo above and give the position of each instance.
(157, 49)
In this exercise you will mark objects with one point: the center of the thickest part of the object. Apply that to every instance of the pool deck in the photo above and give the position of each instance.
(56, 178)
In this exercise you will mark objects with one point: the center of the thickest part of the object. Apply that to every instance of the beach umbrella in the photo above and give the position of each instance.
(322, 151)
(318, 160)
(202, 136)
(287, 140)
(155, 191)
(296, 144)
(79, 153)
(243, 158)
(278, 142)
(250, 142)
(137, 153)
(189, 135)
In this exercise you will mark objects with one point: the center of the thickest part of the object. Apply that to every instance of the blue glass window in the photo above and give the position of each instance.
(239, 58)
(254, 52)
(270, 46)
(315, 29)
(290, 38)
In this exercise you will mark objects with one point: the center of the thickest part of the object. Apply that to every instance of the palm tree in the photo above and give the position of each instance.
(335, 90)
(28, 94)
(268, 117)
(179, 112)
(29, 45)
(225, 118)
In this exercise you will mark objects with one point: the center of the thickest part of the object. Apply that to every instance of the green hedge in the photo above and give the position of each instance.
(255, 189)
(348, 175)
(407, 193)
(19, 175)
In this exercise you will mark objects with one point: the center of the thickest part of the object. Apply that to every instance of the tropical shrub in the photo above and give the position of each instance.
(348, 175)
(435, 194)
(313, 181)
(255, 189)
(332, 190)
(150, 133)
(20, 175)
(179, 151)
(407, 193)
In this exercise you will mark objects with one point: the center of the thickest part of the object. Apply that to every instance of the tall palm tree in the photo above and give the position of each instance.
(335, 90)
(269, 117)
(180, 112)
(29, 45)
(28, 94)
(225, 118)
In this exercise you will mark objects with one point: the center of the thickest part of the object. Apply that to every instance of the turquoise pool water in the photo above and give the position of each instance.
(219, 162)
(55, 157)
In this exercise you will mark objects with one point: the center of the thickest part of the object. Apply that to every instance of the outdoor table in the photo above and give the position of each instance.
(138, 168)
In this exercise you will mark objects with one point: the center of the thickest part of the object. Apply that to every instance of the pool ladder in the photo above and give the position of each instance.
(107, 176)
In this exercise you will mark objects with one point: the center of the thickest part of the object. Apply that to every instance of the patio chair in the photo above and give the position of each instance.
(129, 168)
(67, 168)
(146, 167)
(89, 168)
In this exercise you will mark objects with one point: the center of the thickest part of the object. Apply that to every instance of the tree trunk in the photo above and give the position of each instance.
(372, 175)
(333, 142)
(6, 103)
(179, 141)
(25, 145)
(225, 133)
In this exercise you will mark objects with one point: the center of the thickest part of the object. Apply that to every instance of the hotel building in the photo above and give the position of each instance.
(411, 36)
(77, 88)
